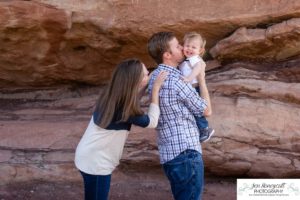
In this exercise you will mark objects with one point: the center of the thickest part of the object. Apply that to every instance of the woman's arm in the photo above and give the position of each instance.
(157, 85)
(150, 120)
(153, 111)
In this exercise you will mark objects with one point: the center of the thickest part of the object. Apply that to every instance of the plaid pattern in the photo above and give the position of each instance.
(179, 103)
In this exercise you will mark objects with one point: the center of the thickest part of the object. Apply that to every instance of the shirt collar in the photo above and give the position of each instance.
(193, 60)
(192, 57)
(169, 69)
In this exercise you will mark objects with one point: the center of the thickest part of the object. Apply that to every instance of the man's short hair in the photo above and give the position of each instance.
(158, 44)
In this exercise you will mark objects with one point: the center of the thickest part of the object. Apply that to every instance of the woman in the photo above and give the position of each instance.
(100, 149)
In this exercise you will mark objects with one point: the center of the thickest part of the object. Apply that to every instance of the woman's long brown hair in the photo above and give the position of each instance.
(122, 93)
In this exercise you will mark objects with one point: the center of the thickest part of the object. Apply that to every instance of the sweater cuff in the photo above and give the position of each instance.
(153, 113)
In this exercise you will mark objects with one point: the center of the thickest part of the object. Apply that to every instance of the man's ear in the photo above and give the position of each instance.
(166, 55)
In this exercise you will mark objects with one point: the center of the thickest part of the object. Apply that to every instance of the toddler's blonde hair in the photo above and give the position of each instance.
(194, 35)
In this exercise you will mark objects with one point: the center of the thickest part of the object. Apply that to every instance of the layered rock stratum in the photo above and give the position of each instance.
(55, 57)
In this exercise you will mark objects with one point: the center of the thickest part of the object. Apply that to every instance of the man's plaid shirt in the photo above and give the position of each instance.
(179, 103)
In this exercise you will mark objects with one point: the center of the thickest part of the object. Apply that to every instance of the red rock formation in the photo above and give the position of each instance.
(257, 121)
(276, 43)
(31, 36)
(56, 42)
(254, 81)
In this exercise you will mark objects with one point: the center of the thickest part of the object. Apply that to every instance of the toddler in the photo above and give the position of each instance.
(193, 49)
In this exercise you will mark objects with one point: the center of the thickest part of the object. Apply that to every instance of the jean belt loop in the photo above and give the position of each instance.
(185, 151)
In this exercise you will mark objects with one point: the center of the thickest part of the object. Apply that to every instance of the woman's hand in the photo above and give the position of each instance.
(160, 79)
(186, 79)
(157, 85)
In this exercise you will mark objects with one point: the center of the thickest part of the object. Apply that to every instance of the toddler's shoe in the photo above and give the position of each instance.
(205, 134)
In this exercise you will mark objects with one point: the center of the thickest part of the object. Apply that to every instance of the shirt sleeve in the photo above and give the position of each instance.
(147, 121)
(191, 99)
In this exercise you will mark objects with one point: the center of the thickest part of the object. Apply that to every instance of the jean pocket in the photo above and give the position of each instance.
(178, 173)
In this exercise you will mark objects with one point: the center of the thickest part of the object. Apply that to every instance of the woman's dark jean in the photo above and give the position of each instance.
(96, 187)
(186, 175)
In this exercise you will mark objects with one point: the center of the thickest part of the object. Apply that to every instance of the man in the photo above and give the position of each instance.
(178, 136)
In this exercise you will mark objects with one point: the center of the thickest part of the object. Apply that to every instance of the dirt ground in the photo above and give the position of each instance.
(132, 185)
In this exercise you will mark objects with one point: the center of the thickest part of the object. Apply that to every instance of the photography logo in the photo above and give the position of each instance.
(268, 189)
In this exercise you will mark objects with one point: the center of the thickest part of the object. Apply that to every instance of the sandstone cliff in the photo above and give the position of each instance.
(52, 52)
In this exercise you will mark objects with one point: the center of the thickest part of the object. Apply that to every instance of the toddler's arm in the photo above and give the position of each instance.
(204, 92)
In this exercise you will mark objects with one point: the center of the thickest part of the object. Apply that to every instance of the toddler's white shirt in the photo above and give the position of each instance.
(186, 66)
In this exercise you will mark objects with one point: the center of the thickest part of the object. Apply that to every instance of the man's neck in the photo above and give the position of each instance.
(171, 64)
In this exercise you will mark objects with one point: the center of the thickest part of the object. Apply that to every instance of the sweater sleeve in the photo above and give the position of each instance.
(148, 120)
(153, 114)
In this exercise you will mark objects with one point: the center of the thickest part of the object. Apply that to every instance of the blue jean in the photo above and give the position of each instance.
(96, 187)
(186, 175)
(201, 121)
